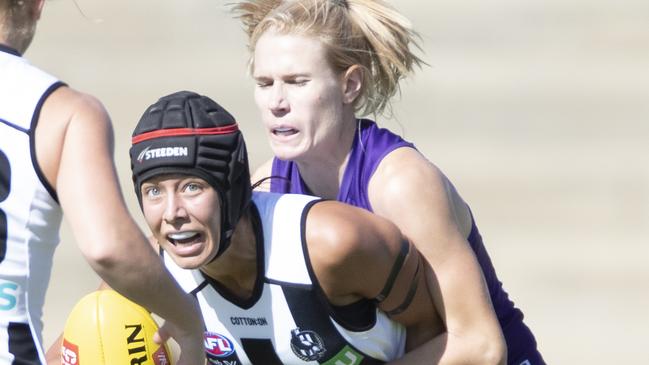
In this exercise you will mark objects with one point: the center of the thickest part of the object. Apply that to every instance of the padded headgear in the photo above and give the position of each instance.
(187, 133)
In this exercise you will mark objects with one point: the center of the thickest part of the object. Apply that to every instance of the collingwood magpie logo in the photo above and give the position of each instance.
(307, 345)
(149, 153)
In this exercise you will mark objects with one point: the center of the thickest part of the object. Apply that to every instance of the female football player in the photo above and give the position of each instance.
(46, 168)
(317, 65)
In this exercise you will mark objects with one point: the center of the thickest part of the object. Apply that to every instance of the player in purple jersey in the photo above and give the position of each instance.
(317, 63)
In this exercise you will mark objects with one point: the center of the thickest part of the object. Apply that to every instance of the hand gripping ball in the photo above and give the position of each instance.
(105, 328)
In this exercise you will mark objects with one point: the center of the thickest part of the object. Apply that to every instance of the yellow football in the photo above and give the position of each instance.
(105, 328)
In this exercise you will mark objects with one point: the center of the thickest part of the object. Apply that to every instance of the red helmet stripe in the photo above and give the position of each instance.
(175, 132)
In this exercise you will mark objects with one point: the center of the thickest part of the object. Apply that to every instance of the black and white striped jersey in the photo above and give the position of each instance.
(288, 320)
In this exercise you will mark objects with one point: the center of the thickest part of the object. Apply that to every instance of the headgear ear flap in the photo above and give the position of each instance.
(191, 134)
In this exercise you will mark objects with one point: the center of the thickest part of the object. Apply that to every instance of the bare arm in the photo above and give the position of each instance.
(356, 259)
(414, 194)
(80, 167)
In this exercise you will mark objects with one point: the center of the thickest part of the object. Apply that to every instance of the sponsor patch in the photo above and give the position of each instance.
(346, 356)
(150, 153)
(249, 321)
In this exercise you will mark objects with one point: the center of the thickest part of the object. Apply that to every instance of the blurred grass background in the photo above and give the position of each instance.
(536, 110)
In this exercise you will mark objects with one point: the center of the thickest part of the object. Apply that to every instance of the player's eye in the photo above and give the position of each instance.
(299, 81)
(151, 191)
(192, 187)
(263, 83)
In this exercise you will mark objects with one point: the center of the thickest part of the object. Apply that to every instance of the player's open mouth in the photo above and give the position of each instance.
(184, 238)
(284, 131)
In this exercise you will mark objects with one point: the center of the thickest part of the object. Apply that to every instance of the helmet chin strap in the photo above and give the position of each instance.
(224, 244)
(227, 235)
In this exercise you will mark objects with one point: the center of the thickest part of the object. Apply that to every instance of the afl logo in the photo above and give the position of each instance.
(218, 345)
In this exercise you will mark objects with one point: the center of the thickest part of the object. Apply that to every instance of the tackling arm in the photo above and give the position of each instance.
(415, 195)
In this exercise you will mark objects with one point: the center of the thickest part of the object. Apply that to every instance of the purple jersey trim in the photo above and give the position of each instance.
(369, 148)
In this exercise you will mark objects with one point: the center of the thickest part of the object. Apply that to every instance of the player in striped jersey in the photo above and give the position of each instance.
(56, 155)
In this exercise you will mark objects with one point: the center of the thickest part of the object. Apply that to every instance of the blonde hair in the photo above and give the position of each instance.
(367, 33)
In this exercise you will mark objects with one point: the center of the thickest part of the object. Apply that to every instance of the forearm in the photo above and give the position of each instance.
(473, 334)
(465, 335)
(446, 349)
(142, 278)
(135, 271)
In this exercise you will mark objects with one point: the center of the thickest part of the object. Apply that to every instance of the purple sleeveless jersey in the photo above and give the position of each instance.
(368, 149)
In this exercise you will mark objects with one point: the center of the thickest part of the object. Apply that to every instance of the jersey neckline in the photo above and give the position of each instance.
(7, 49)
